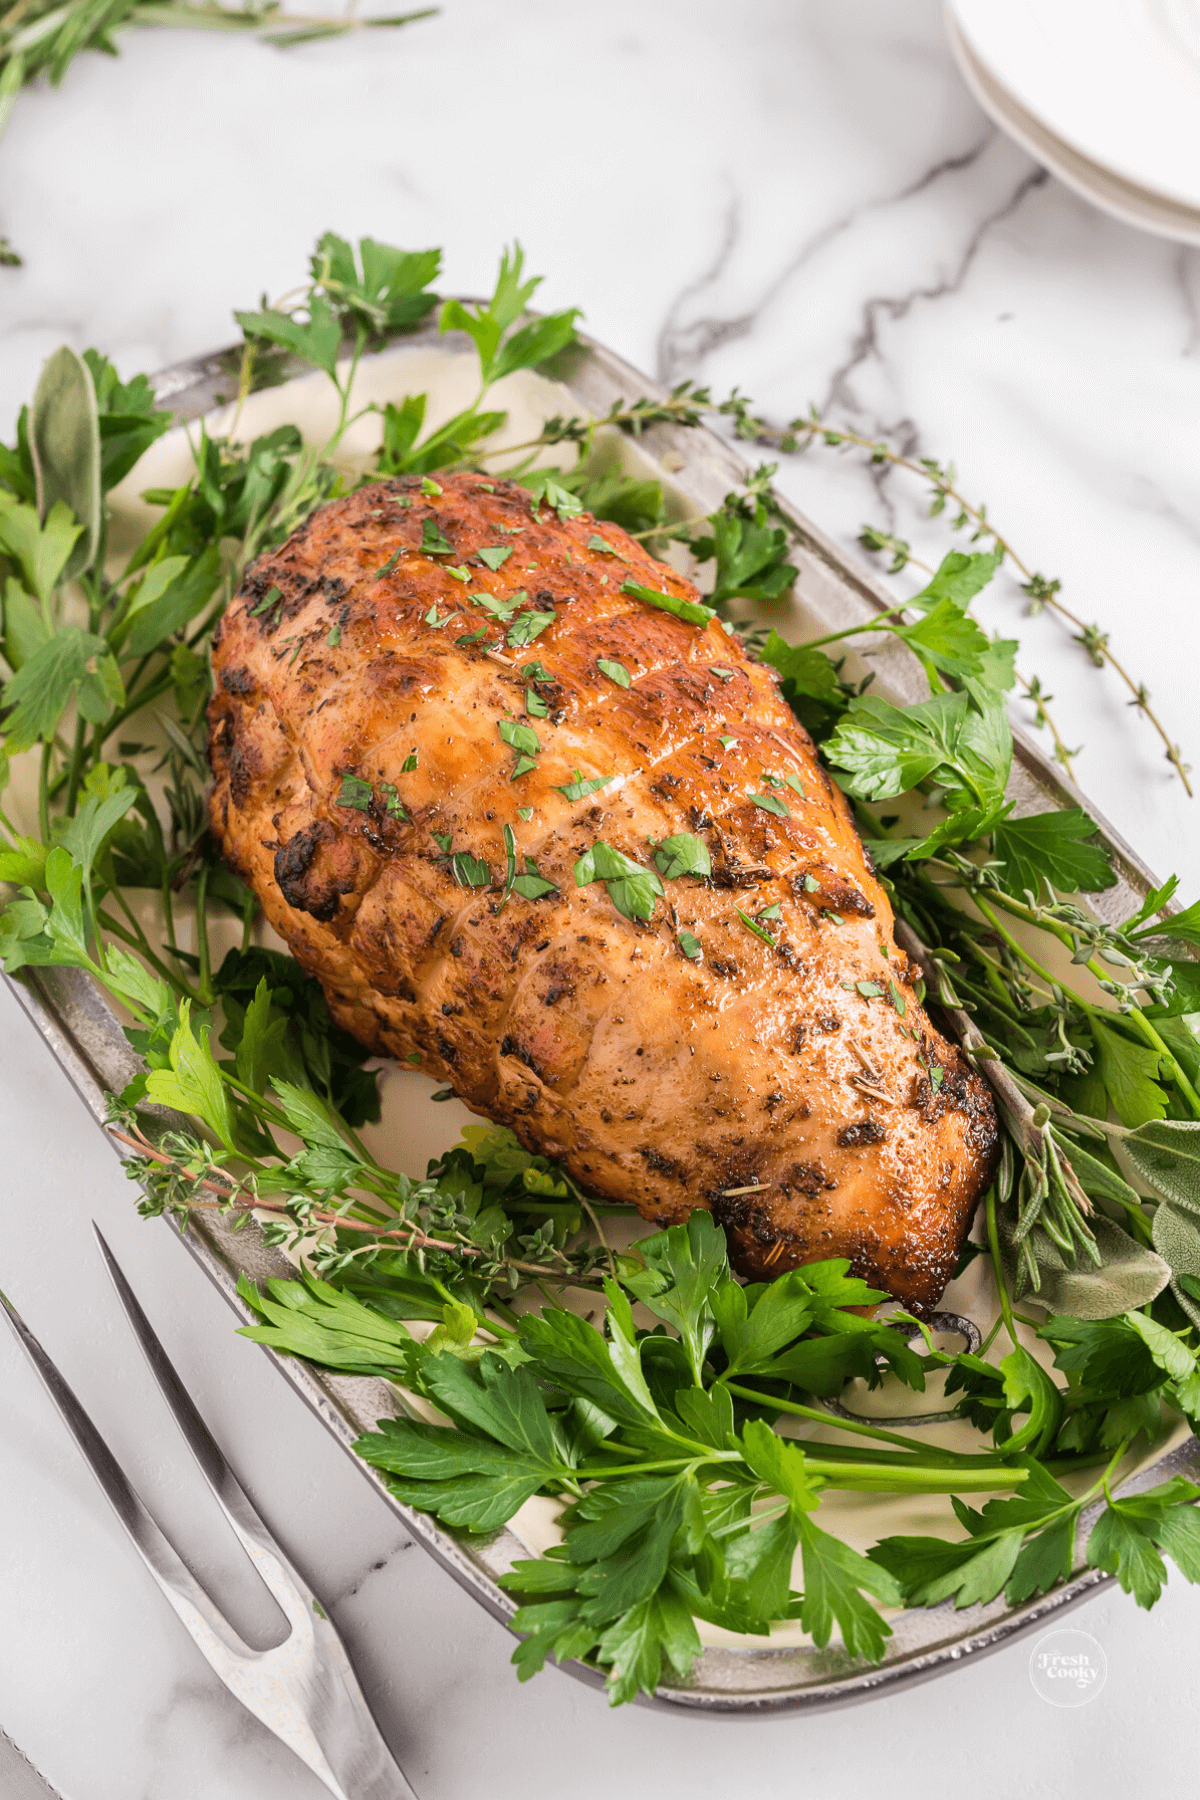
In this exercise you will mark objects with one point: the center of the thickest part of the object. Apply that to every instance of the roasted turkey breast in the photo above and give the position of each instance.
(435, 690)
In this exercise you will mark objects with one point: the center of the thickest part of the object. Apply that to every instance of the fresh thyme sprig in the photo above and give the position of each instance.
(1041, 591)
(689, 403)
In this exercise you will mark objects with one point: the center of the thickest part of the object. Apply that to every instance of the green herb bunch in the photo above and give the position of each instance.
(678, 1450)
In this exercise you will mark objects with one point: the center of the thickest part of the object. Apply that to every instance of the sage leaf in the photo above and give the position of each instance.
(1165, 1153)
(1130, 1276)
(1177, 1239)
(64, 440)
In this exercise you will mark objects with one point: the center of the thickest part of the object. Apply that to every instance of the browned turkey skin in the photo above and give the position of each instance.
(795, 1087)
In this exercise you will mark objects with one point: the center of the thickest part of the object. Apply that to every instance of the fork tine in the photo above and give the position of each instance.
(305, 1689)
(208, 1626)
(284, 1582)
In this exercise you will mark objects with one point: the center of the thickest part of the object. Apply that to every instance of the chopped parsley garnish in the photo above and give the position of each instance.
(500, 608)
(687, 610)
(870, 990)
(468, 870)
(770, 804)
(796, 785)
(632, 889)
(442, 839)
(271, 598)
(521, 737)
(460, 574)
(430, 487)
(355, 792)
(436, 619)
(727, 743)
(495, 554)
(335, 636)
(829, 913)
(580, 789)
(432, 541)
(690, 946)
(682, 854)
(535, 706)
(811, 885)
(392, 802)
(532, 885)
(472, 637)
(391, 562)
(523, 765)
(596, 542)
(525, 812)
(409, 763)
(897, 997)
(721, 674)
(753, 925)
(771, 912)
(614, 670)
(535, 672)
(527, 627)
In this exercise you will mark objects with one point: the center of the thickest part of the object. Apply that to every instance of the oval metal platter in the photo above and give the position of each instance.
(697, 469)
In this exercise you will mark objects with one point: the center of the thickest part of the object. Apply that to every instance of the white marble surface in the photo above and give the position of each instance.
(789, 195)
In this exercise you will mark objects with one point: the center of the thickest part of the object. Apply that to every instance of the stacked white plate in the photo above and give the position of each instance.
(1104, 93)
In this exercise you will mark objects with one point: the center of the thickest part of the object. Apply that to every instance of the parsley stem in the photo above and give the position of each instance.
(662, 1466)
(871, 1478)
(876, 624)
(820, 1417)
(76, 762)
(44, 791)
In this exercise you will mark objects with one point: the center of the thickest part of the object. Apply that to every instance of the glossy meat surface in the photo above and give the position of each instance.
(362, 781)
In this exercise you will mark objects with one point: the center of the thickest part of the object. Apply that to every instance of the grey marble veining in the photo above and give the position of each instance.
(789, 196)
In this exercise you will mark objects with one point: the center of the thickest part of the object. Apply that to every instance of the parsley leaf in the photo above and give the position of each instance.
(73, 664)
(355, 792)
(318, 339)
(385, 290)
(682, 854)
(1129, 1072)
(502, 350)
(614, 670)
(580, 789)
(1051, 848)
(947, 640)
(469, 871)
(533, 885)
(772, 804)
(632, 889)
(688, 610)
(959, 577)
(524, 629)
(521, 737)
(432, 541)
(495, 554)
(750, 556)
